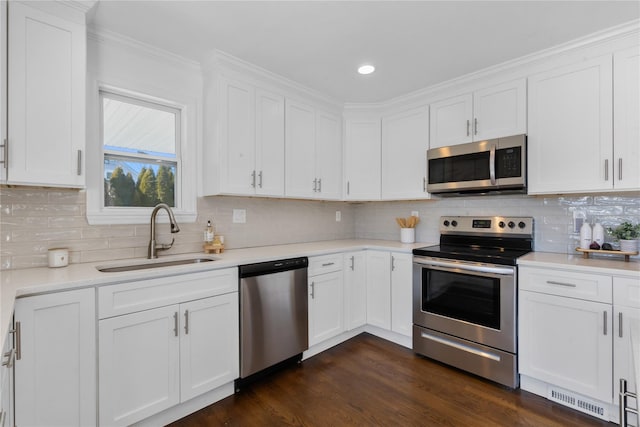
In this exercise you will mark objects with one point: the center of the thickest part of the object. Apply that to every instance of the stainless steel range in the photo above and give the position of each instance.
(464, 295)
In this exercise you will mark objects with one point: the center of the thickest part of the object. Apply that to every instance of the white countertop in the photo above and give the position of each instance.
(613, 266)
(32, 281)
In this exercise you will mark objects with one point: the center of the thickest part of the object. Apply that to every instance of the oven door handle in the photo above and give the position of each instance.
(467, 267)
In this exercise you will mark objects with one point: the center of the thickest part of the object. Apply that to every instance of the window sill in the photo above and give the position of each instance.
(139, 216)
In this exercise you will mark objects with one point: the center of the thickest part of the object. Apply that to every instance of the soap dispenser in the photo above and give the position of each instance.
(585, 236)
(598, 234)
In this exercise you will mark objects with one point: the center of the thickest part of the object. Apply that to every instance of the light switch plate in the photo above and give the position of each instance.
(415, 213)
(239, 216)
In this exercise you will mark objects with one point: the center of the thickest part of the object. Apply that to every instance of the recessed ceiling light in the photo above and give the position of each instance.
(366, 69)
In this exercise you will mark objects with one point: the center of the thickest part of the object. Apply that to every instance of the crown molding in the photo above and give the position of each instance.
(101, 35)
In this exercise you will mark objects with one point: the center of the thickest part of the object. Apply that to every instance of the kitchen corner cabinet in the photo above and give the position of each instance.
(570, 140)
(626, 119)
(55, 367)
(363, 166)
(326, 298)
(251, 133)
(313, 153)
(402, 293)
(405, 141)
(46, 99)
(355, 289)
(493, 112)
(164, 341)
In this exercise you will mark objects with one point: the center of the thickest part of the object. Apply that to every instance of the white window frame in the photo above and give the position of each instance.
(185, 191)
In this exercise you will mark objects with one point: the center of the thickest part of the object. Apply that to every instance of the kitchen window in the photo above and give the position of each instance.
(144, 146)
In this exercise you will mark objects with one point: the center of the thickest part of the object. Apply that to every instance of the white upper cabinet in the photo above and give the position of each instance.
(362, 159)
(405, 140)
(493, 112)
(570, 128)
(46, 103)
(313, 152)
(626, 119)
(251, 132)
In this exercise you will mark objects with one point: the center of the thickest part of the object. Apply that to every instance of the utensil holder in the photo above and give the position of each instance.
(407, 235)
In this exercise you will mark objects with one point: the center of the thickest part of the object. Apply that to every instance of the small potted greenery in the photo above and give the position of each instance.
(627, 234)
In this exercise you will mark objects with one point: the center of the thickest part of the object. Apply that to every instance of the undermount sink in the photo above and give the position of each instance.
(151, 264)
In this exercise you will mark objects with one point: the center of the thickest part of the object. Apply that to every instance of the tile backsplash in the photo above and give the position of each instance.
(32, 220)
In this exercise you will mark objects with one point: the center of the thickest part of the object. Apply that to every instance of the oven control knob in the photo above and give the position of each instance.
(521, 224)
(446, 223)
(511, 224)
(454, 223)
(501, 224)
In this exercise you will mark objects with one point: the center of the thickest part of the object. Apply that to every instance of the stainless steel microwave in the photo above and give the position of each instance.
(495, 165)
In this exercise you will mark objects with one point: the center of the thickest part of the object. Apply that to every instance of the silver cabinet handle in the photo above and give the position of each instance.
(424, 184)
(5, 154)
(393, 263)
(606, 169)
(620, 169)
(10, 355)
(315, 185)
(475, 126)
(18, 338)
(79, 162)
(313, 290)
(253, 179)
(260, 179)
(468, 124)
(175, 323)
(186, 322)
(553, 282)
(620, 324)
(348, 187)
(319, 185)
(492, 164)
(327, 264)
(353, 263)
(604, 318)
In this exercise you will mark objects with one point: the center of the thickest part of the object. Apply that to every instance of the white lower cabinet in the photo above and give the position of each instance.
(55, 367)
(389, 304)
(326, 298)
(158, 357)
(355, 289)
(574, 337)
(6, 382)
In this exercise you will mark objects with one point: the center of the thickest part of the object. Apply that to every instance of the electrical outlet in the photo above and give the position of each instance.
(338, 216)
(239, 216)
(415, 213)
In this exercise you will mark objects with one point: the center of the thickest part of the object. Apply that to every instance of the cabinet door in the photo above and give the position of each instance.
(328, 156)
(451, 121)
(570, 128)
(139, 365)
(355, 289)
(405, 141)
(55, 370)
(626, 119)
(46, 124)
(500, 111)
(626, 351)
(326, 310)
(362, 159)
(300, 135)
(566, 342)
(209, 344)
(237, 137)
(269, 144)
(401, 293)
(379, 289)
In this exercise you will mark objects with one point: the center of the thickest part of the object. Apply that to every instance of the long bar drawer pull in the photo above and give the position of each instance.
(553, 282)
(327, 264)
(462, 347)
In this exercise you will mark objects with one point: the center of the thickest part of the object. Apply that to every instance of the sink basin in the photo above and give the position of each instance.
(152, 264)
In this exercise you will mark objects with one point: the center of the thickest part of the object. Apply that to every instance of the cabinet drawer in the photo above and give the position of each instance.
(115, 300)
(626, 291)
(325, 264)
(590, 287)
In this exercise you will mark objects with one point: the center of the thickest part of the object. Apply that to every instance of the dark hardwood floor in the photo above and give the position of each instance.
(368, 381)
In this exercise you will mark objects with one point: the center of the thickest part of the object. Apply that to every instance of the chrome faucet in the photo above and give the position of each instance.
(153, 246)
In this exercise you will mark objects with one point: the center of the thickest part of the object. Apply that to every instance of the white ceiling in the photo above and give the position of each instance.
(413, 44)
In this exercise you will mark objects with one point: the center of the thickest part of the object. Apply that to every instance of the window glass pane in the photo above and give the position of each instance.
(133, 128)
(134, 182)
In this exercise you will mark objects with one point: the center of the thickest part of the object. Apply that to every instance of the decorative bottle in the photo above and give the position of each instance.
(208, 233)
(585, 236)
(598, 234)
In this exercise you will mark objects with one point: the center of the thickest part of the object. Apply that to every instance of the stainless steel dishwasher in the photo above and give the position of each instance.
(273, 316)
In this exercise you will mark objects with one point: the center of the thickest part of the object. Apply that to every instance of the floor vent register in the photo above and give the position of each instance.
(577, 402)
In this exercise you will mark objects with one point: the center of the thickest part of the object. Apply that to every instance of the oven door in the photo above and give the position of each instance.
(473, 301)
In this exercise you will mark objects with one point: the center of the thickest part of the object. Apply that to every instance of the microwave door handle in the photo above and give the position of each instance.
(492, 164)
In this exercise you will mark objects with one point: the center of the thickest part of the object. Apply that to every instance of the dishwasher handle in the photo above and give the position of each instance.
(270, 267)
